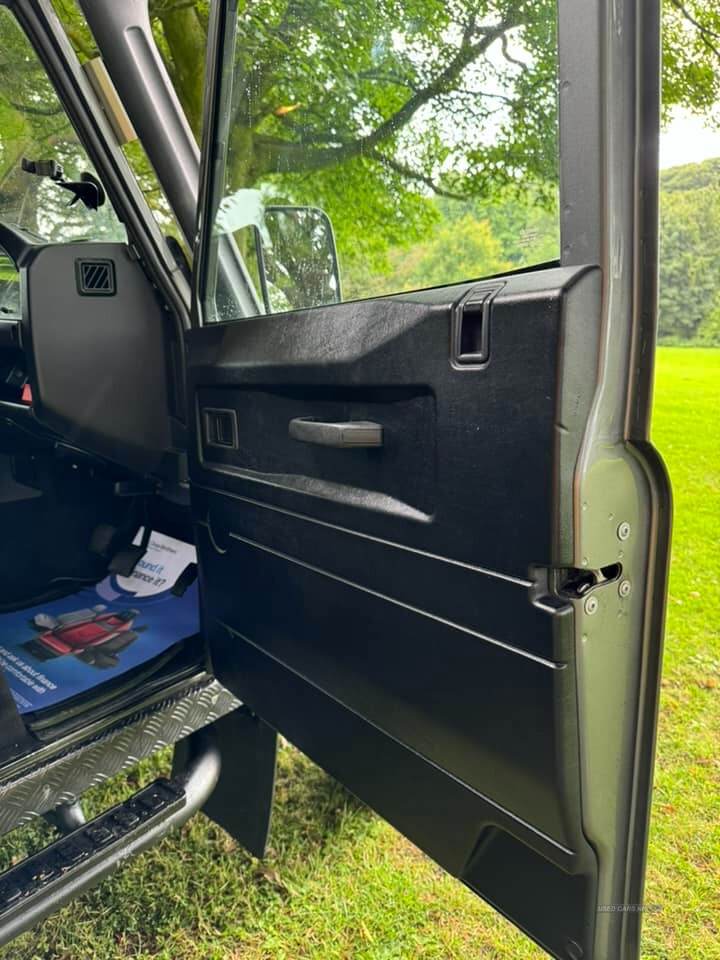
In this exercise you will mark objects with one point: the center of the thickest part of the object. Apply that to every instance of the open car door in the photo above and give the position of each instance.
(432, 533)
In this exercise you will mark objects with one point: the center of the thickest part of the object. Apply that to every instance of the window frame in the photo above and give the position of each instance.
(222, 35)
(597, 122)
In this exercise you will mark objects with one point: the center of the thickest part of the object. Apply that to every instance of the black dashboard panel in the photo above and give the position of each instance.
(95, 341)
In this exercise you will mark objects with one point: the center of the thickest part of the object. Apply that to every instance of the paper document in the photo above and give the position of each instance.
(66, 647)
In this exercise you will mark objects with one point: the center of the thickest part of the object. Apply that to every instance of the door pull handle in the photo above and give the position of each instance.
(348, 434)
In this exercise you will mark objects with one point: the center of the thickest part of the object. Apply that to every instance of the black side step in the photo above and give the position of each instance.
(48, 880)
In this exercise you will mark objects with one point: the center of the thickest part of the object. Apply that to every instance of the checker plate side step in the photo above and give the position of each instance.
(64, 778)
(46, 881)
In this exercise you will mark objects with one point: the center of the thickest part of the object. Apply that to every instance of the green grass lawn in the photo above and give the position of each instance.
(338, 883)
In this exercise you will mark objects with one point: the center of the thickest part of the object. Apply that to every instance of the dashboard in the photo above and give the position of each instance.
(92, 358)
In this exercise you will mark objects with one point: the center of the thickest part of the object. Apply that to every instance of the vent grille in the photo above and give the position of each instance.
(95, 278)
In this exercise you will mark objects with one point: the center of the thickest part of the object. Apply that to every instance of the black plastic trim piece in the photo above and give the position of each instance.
(470, 331)
(344, 435)
(95, 278)
(16, 243)
(221, 429)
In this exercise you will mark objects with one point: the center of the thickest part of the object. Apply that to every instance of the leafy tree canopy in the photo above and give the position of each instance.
(387, 103)
(691, 176)
(690, 253)
(691, 57)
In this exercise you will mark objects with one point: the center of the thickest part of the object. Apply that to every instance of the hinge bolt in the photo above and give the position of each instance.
(591, 606)
(624, 588)
(623, 531)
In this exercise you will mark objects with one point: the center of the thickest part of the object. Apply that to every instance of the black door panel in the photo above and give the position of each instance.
(485, 712)
(388, 609)
(467, 597)
(399, 477)
(545, 888)
(495, 431)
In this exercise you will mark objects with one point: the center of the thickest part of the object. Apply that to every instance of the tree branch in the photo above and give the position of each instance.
(35, 111)
(416, 175)
(467, 53)
(276, 154)
(388, 78)
(508, 56)
(705, 32)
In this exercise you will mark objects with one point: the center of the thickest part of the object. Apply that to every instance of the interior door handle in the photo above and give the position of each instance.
(351, 433)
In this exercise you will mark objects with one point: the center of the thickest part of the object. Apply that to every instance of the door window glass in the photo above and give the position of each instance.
(377, 147)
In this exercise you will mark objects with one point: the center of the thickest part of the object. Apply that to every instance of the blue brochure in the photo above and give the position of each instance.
(66, 647)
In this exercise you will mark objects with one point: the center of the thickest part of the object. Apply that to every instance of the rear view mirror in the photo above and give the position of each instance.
(296, 259)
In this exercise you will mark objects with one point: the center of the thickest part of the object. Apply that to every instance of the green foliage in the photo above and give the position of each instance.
(708, 332)
(413, 123)
(464, 247)
(690, 253)
(470, 239)
(525, 221)
(427, 130)
(691, 176)
(33, 124)
(691, 56)
(368, 109)
(453, 250)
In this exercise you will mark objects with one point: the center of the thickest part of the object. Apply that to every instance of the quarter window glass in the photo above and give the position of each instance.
(421, 136)
(35, 127)
(83, 43)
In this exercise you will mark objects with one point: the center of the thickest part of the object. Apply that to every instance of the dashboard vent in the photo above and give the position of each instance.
(95, 278)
